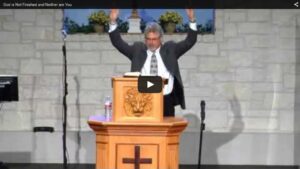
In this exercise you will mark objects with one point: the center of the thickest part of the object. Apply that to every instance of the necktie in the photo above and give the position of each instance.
(153, 65)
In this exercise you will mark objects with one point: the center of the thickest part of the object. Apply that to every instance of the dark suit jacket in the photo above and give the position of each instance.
(170, 52)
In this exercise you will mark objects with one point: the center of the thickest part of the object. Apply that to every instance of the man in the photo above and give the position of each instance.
(156, 58)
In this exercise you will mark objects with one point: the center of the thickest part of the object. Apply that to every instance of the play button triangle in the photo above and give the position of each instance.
(149, 84)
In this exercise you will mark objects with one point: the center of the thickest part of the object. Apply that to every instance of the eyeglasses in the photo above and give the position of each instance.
(152, 39)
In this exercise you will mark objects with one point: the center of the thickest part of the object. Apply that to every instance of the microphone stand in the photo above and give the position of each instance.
(202, 128)
(65, 165)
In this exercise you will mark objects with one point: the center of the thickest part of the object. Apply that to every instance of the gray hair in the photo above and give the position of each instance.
(153, 27)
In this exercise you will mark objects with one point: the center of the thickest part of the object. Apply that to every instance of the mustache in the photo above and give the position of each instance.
(152, 49)
(152, 46)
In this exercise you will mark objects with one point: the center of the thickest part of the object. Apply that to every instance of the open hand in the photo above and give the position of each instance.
(114, 13)
(190, 14)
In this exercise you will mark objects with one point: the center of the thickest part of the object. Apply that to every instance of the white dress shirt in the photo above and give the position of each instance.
(162, 71)
(161, 68)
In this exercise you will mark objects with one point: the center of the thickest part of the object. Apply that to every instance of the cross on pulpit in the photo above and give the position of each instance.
(137, 159)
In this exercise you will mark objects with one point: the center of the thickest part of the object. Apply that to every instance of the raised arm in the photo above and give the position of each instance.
(186, 44)
(115, 36)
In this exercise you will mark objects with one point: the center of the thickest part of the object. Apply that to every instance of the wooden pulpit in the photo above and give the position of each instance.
(137, 137)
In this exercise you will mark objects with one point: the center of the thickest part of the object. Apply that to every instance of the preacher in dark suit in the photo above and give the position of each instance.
(153, 57)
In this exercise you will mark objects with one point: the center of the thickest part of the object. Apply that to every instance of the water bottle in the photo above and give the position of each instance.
(108, 108)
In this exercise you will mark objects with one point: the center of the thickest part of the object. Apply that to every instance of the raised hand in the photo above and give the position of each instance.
(114, 13)
(190, 14)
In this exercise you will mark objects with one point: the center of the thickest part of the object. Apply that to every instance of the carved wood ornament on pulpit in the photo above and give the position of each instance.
(135, 106)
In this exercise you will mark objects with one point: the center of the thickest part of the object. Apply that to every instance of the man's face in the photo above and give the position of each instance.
(152, 41)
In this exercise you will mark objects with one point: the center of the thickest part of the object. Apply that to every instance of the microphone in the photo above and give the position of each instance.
(64, 34)
(202, 104)
(202, 128)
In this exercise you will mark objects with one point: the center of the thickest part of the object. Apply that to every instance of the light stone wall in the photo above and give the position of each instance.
(297, 101)
(245, 71)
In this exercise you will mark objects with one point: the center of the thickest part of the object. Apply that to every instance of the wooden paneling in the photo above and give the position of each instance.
(158, 141)
(102, 155)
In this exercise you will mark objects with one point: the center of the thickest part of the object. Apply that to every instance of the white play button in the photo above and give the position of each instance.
(149, 84)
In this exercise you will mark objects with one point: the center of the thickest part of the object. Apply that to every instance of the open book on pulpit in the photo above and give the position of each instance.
(130, 105)
(132, 74)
